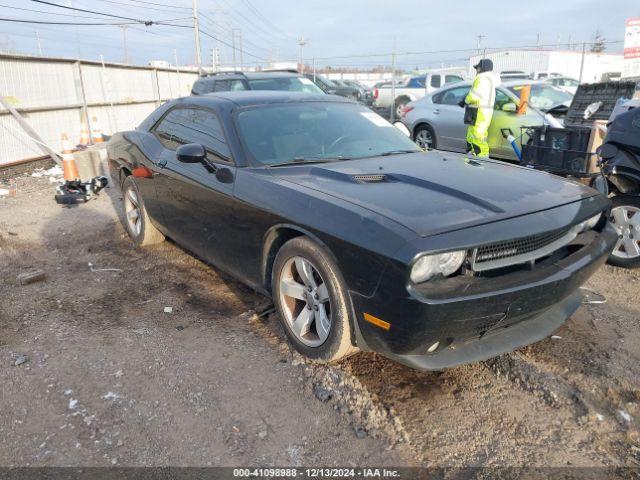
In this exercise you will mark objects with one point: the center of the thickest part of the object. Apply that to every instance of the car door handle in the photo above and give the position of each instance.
(436, 112)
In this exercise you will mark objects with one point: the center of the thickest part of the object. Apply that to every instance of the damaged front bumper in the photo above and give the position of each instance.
(474, 318)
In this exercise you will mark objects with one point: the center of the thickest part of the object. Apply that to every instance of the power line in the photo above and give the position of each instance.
(460, 50)
(204, 32)
(42, 22)
(161, 4)
(214, 24)
(43, 11)
(114, 2)
(88, 11)
(265, 19)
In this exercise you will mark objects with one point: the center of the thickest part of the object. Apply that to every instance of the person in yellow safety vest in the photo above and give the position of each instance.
(479, 108)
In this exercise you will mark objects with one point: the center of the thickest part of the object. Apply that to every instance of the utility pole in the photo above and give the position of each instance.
(196, 31)
(175, 57)
(233, 47)
(314, 69)
(124, 41)
(392, 115)
(302, 42)
(39, 45)
(584, 48)
(240, 44)
(479, 37)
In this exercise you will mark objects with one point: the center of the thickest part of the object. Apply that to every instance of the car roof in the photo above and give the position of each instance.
(247, 75)
(262, 97)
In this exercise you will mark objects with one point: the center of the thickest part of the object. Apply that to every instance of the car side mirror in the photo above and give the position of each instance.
(510, 107)
(191, 153)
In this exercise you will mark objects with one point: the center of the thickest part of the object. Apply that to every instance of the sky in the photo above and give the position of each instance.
(353, 33)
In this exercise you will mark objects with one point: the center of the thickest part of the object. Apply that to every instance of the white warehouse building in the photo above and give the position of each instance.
(563, 62)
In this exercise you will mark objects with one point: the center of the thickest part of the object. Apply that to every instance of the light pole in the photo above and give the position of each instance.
(196, 31)
(302, 42)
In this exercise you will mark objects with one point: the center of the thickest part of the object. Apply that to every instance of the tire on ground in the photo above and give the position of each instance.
(338, 344)
(149, 235)
(621, 201)
(425, 128)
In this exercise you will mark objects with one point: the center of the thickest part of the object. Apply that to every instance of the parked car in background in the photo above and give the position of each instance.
(333, 88)
(366, 93)
(412, 89)
(506, 75)
(564, 83)
(289, 81)
(437, 121)
(362, 240)
(543, 75)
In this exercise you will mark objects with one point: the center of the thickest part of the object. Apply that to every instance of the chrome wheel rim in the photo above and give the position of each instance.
(132, 211)
(626, 220)
(305, 301)
(424, 139)
(400, 109)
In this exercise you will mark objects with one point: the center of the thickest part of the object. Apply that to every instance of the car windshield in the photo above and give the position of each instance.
(544, 97)
(317, 131)
(291, 84)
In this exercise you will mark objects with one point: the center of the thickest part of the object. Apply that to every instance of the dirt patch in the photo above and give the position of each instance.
(110, 378)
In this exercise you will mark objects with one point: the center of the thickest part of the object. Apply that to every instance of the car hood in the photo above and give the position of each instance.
(436, 192)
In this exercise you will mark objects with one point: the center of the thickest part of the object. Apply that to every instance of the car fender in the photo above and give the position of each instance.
(273, 240)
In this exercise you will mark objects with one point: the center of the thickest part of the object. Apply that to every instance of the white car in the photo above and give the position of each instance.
(564, 83)
(411, 89)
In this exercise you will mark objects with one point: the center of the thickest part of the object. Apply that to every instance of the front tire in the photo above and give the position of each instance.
(625, 217)
(136, 220)
(312, 301)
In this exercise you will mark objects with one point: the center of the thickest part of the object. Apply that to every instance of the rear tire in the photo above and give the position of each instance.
(312, 301)
(625, 217)
(136, 220)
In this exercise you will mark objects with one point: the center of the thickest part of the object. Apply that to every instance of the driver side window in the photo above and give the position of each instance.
(501, 100)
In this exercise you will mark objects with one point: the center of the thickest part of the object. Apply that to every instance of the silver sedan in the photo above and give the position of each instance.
(437, 121)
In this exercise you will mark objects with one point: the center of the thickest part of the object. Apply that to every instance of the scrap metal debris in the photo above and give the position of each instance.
(26, 278)
(103, 269)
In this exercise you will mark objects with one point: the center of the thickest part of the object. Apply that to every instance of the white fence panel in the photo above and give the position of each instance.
(52, 95)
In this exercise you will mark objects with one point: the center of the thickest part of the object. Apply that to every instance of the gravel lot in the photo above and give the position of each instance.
(105, 376)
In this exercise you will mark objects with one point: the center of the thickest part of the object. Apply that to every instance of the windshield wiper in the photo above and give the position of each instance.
(397, 152)
(300, 160)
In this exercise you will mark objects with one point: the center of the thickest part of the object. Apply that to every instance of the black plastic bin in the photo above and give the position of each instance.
(558, 150)
(607, 93)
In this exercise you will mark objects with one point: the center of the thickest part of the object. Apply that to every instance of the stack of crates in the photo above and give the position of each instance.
(566, 151)
(563, 151)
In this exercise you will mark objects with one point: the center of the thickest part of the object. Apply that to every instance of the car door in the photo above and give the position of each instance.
(197, 199)
(506, 117)
(449, 124)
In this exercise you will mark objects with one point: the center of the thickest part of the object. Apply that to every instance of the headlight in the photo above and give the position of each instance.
(428, 266)
(588, 224)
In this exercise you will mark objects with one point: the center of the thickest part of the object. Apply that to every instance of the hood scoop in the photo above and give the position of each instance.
(371, 178)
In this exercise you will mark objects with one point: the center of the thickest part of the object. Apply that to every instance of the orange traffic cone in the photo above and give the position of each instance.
(96, 131)
(69, 166)
(84, 134)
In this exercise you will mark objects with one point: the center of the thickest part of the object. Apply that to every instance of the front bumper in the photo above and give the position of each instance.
(478, 318)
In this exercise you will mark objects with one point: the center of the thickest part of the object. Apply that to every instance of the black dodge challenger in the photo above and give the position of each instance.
(363, 241)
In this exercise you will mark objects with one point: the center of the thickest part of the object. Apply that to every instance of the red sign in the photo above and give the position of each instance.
(632, 38)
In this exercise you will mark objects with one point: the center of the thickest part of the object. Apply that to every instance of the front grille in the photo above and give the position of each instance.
(370, 178)
(520, 250)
